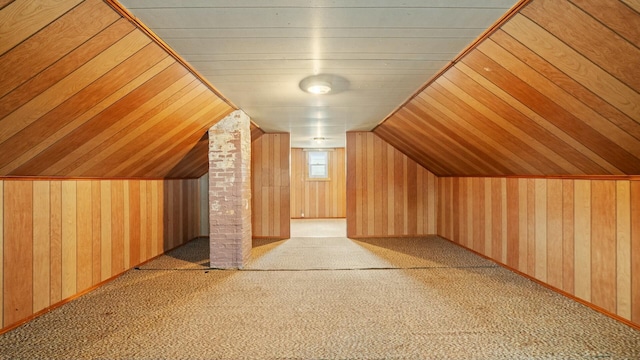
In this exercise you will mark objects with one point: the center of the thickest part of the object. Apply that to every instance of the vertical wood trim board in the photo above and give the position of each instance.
(61, 237)
(635, 251)
(41, 245)
(399, 176)
(579, 236)
(18, 251)
(1, 254)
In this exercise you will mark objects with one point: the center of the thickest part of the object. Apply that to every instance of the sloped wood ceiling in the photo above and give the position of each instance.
(84, 93)
(196, 162)
(554, 91)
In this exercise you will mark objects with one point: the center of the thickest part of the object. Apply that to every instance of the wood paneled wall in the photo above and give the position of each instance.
(270, 196)
(578, 236)
(321, 198)
(388, 194)
(59, 238)
(84, 93)
(553, 91)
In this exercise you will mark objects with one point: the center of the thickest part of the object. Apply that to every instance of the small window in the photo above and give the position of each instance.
(318, 165)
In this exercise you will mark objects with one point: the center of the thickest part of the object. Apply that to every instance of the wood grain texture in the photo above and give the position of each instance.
(71, 85)
(270, 184)
(582, 233)
(620, 18)
(588, 248)
(541, 229)
(523, 225)
(82, 86)
(537, 97)
(56, 241)
(152, 102)
(560, 109)
(589, 123)
(55, 72)
(635, 250)
(351, 198)
(59, 235)
(531, 227)
(72, 114)
(196, 163)
(634, 4)
(565, 58)
(397, 184)
(134, 221)
(554, 233)
(143, 222)
(495, 235)
(568, 236)
(157, 204)
(569, 85)
(513, 221)
(603, 244)
(4, 3)
(105, 229)
(600, 47)
(18, 251)
(623, 249)
(2, 254)
(96, 232)
(117, 227)
(21, 19)
(84, 226)
(330, 194)
(41, 245)
(69, 239)
(67, 32)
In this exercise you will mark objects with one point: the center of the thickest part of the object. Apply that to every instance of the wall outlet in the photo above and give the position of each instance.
(301, 214)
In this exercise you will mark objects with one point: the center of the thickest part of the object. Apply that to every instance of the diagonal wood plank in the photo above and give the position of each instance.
(21, 19)
(72, 84)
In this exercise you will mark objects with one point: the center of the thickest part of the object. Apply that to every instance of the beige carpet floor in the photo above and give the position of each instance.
(324, 298)
(318, 227)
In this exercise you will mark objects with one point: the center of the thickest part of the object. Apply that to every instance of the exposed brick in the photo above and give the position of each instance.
(229, 191)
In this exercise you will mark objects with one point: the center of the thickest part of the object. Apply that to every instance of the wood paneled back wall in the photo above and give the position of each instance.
(59, 238)
(388, 194)
(322, 198)
(579, 236)
(270, 186)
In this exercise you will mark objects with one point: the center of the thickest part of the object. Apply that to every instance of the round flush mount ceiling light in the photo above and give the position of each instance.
(323, 84)
(319, 88)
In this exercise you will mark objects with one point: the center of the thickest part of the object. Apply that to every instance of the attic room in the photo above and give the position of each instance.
(486, 168)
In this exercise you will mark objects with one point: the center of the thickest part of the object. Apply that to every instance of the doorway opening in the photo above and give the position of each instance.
(318, 192)
(318, 228)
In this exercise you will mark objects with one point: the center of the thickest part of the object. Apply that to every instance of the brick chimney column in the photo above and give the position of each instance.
(230, 191)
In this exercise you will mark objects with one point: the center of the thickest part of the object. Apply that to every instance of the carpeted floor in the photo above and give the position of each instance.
(324, 298)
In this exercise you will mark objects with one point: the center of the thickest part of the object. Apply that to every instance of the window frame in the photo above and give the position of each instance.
(309, 176)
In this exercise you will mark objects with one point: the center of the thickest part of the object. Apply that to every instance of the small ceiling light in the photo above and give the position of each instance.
(319, 140)
(323, 84)
(319, 88)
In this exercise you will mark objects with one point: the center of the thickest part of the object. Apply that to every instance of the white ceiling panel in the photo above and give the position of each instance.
(257, 52)
(329, 33)
(242, 46)
(317, 18)
(148, 4)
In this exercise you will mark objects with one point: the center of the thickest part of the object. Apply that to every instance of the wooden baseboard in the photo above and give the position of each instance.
(81, 293)
(553, 288)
